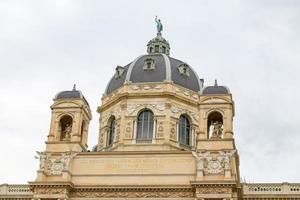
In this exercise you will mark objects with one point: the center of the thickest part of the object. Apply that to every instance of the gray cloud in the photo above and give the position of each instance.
(251, 46)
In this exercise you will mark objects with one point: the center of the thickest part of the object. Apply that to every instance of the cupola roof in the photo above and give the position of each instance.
(70, 94)
(156, 66)
(215, 89)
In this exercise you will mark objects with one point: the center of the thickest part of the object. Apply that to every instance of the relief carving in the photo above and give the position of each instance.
(160, 129)
(212, 163)
(145, 87)
(173, 131)
(131, 194)
(214, 190)
(101, 140)
(128, 130)
(115, 112)
(55, 165)
(49, 191)
(132, 109)
(176, 111)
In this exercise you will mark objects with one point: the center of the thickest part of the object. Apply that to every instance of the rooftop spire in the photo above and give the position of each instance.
(74, 87)
(216, 82)
(158, 44)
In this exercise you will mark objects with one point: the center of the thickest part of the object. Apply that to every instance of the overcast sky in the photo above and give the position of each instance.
(252, 47)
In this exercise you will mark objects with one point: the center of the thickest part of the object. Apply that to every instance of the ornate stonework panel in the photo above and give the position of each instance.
(212, 163)
(133, 194)
(173, 131)
(55, 164)
(141, 88)
(213, 190)
(114, 112)
(215, 100)
(129, 129)
(118, 129)
(160, 129)
(50, 191)
(133, 109)
(176, 111)
(187, 93)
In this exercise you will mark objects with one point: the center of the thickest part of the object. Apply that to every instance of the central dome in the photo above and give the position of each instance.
(156, 66)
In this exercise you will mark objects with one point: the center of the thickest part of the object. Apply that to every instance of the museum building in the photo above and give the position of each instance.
(162, 135)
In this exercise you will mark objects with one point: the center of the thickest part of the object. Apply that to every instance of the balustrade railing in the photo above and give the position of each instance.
(11, 190)
(271, 188)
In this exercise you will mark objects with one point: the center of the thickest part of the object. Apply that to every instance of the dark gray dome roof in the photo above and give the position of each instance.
(71, 94)
(163, 68)
(216, 89)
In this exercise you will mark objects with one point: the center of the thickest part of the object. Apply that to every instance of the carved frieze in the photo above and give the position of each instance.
(186, 93)
(212, 163)
(213, 190)
(133, 194)
(136, 88)
(50, 191)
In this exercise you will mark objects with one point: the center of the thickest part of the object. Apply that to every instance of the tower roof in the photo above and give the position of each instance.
(70, 94)
(215, 89)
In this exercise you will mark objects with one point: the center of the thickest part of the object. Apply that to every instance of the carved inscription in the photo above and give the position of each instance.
(137, 165)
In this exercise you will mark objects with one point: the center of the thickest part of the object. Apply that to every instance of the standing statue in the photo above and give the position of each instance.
(217, 129)
(159, 25)
(67, 132)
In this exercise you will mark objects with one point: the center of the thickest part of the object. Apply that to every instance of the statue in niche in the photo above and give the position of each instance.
(67, 132)
(159, 25)
(217, 129)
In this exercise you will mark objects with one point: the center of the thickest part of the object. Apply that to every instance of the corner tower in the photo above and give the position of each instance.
(70, 120)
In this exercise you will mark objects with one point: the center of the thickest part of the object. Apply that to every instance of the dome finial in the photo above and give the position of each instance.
(74, 87)
(216, 82)
(158, 44)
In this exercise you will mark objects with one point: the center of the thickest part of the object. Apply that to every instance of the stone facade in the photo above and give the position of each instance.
(187, 150)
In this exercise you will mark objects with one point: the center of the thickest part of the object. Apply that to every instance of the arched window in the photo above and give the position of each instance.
(184, 130)
(145, 126)
(215, 125)
(66, 123)
(111, 130)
